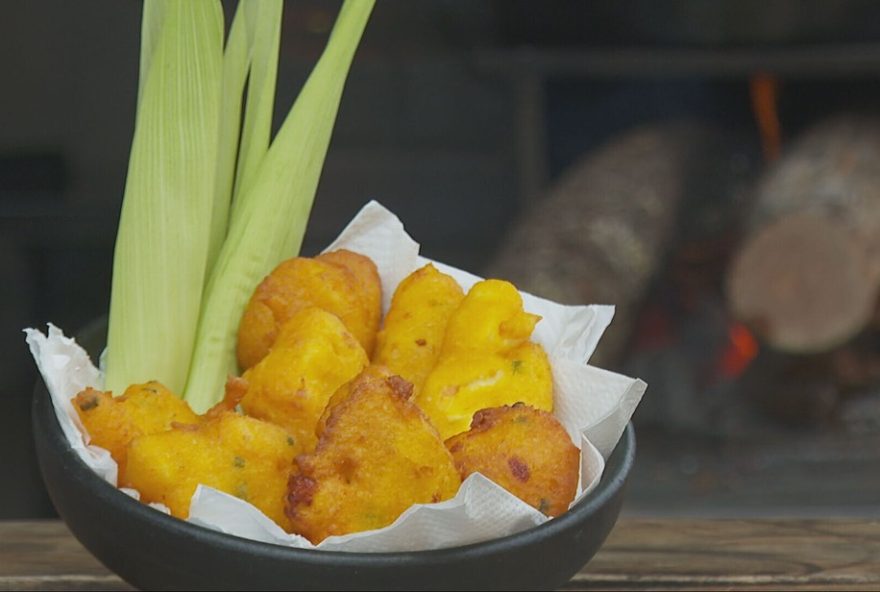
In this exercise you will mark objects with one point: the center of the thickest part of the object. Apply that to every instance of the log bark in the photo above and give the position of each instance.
(807, 273)
(599, 235)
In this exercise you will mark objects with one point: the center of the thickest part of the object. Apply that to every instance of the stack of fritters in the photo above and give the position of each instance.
(337, 426)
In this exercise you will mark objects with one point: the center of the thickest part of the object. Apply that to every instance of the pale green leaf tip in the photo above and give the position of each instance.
(299, 148)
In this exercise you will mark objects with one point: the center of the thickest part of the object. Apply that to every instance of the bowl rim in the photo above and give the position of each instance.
(613, 479)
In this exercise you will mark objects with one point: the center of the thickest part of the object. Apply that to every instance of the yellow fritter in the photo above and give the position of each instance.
(367, 276)
(240, 455)
(374, 371)
(462, 384)
(313, 356)
(487, 360)
(113, 422)
(377, 456)
(341, 282)
(524, 450)
(411, 337)
(490, 319)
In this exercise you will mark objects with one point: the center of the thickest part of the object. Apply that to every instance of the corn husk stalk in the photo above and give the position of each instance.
(161, 254)
(251, 52)
(269, 220)
(264, 37)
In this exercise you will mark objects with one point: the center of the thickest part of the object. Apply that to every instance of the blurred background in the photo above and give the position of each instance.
(711, 168)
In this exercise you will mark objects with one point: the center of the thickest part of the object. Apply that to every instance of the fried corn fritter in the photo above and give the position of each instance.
(367, 276)
(487, 360)
(490, 319)
(412, 334)
(341, 282)
(373, 371)
(240, 455)
(314, 355)
(113, 422)
(462, 384)
(377, 456)
(524, 450)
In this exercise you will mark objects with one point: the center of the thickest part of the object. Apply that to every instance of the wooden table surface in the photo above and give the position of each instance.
(641, 554)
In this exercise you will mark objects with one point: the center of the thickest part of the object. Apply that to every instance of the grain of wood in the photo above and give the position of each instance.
(640, 554)
(598, 234)
(603, 230)
(645, 554)
(807, 275)
(43, 555)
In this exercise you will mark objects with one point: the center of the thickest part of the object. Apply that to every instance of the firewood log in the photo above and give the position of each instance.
(602, 231)
(806, 275)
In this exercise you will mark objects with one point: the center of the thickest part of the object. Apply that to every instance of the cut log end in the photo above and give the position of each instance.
(803, 284)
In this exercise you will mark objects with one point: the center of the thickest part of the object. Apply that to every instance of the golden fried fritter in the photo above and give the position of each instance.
(377, 456)
(240, 455)
(373, 371)
(490, 319)
(236, 389)
(462, 384)
(313, 356)
(412, 334)
(113, 422)
(524, 450)
(367, 275)
(342, 282)
(487, 360)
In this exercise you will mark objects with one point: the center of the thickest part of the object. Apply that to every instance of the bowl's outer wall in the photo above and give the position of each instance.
(153, 551)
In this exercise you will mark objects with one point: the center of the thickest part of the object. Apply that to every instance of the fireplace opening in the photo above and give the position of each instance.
(724, 197)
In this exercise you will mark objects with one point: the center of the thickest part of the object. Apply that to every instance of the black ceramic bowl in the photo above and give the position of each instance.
(157, 552)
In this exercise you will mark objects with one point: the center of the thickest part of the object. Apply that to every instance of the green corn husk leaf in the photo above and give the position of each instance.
(270, 222)
(236, 60)
(151, 25)
(160, 259)
(251, 52)
(235, 68)
(264, 34)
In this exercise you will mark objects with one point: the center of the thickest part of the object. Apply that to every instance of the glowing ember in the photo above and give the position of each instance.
(764, 90)
(741, 349)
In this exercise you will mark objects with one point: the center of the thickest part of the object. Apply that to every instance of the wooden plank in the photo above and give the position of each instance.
(64, 582)
(43, 555)
(641, 554)
(658, 554)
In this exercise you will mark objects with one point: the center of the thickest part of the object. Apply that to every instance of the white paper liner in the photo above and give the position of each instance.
(594, 405)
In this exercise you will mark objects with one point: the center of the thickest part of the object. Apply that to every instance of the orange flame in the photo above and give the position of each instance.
(741, 349)
(765, 90)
